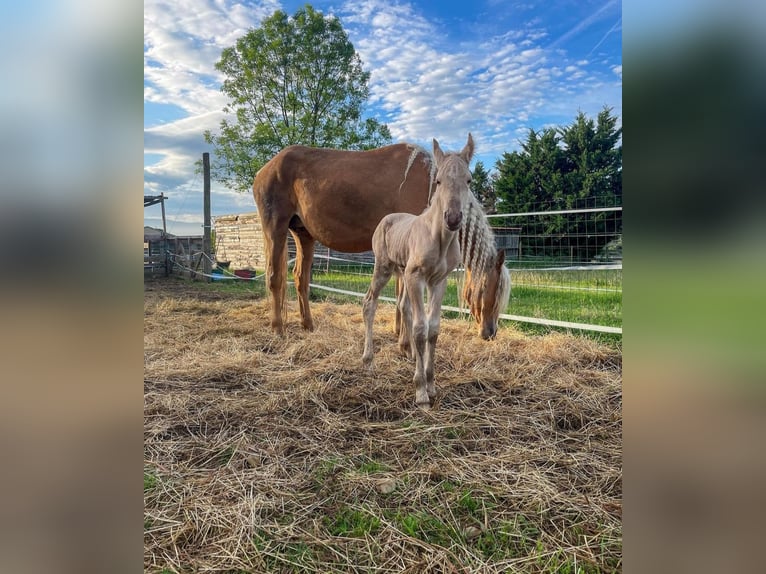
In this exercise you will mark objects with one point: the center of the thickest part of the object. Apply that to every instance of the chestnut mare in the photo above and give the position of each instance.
(338, 198)
(422, 250)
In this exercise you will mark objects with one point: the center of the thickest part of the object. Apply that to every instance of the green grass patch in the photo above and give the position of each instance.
(349, 521)
(452, 433)
(469, 503)
(326, 469)
(224, 456)
(370, 466)
(278, 555)
(150, 481)
(592, 308)
(579, 296)
(448, 486)
(516, 539)
(426, 527)
(562, 563)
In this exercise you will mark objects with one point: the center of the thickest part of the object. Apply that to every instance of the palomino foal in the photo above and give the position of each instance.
(422, 250)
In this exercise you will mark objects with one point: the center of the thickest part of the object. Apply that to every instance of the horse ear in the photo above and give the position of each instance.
(438, 153)
(467, 152)
(500, 259)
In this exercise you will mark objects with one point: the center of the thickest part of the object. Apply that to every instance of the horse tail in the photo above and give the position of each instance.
(264, 184)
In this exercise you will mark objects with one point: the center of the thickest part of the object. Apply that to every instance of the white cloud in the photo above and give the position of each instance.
(181, 143)
(429, 88)
(421, 85)
(182, 42)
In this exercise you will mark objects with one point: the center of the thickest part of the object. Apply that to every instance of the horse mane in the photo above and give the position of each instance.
(429, 162)
(477, 241)
(477, 246)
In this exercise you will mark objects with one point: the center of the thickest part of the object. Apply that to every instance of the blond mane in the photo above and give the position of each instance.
(477, 246)
(428, 161)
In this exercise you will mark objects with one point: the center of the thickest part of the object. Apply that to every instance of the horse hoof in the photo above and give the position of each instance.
(280, 331)
(422, 401)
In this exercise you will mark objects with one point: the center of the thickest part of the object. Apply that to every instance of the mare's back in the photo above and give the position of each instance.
(341, 196)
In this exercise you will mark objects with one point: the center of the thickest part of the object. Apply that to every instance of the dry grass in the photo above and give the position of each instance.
(268, 454)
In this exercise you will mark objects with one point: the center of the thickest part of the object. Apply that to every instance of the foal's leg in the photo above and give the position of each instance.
(400, 291)
(414, 285)
(304, 257)
(435, 297)
(405, 327)
(380, 276)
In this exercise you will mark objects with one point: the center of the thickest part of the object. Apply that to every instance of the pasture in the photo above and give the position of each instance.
(579, 296)
(271, 454)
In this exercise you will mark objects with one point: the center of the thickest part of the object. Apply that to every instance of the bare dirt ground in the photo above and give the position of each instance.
(270, 454)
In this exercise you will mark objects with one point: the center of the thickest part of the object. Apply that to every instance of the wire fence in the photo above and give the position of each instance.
(565, 265)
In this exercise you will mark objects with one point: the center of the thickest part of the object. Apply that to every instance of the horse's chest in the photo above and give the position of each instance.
(439, 273)
(435, 269)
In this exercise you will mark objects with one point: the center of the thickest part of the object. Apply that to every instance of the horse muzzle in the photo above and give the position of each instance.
(453, 219)
(489, 333)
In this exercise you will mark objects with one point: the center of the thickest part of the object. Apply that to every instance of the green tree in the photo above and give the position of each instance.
(532, 179)
(593, 179)
(594, 159)
(563, 168)
(293, 80)
(483, 188)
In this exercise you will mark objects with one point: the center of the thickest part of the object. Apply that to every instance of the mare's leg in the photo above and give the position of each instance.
(467, 290)
(275, 239)
(414, 285)
(435, 297)
(380, 276)
(304, 257)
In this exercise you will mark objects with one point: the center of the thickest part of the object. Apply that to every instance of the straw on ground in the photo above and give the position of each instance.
(269, 454)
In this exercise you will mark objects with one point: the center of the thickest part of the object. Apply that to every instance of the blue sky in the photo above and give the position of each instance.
(438, 69)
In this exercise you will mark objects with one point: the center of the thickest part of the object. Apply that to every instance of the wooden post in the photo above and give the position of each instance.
(207, 266)
(164, 235)
(162, 204)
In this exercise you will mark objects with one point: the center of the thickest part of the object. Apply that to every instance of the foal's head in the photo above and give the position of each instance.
(453, 178)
